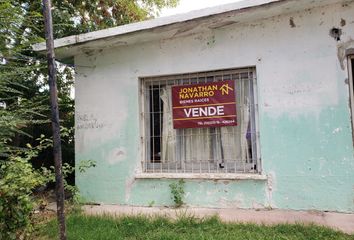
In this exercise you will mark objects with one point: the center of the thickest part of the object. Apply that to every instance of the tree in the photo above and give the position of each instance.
(24, 97)
(86, 16)
(25, 73)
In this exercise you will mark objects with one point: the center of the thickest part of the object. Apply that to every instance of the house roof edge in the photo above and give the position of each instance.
(153, 23)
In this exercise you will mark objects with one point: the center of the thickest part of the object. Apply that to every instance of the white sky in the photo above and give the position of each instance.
(190, 5)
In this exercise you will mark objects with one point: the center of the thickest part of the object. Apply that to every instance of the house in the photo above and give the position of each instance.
(251, 103)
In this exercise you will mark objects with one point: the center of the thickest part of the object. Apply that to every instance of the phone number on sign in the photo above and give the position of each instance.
(216, 122)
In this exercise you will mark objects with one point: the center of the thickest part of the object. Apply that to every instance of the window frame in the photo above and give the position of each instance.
(351, 89)
(145, 128)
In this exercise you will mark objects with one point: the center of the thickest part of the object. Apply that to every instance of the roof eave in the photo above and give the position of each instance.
(153, 23)
(178, 25)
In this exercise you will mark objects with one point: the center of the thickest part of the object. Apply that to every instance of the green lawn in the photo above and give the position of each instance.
(101, 228)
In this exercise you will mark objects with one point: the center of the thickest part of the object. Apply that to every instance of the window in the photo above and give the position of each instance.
(351, 86)
(231, 149)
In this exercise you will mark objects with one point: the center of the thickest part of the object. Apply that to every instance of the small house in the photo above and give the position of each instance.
(251, 103)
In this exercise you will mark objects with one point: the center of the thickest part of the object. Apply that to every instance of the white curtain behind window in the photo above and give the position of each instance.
(231, 144)
(168, 146)
(197, 145)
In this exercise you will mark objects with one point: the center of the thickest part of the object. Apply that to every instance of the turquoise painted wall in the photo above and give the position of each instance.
(304, 119)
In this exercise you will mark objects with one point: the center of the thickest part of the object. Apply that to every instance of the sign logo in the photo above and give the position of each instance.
(204, 105)
(225, 89)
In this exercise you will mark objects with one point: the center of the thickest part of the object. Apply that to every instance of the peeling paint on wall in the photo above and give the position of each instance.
(117, 155)
(128, 188)
(305, 130)
(269, 190)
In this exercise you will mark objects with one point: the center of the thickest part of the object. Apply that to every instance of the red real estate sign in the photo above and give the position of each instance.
(204, 105)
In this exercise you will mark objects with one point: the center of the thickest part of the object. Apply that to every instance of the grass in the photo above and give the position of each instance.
(159, 228)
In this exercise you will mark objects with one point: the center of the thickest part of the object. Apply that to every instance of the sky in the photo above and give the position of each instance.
(190, 5)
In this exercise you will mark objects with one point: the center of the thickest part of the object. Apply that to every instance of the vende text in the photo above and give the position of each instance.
(204, 111)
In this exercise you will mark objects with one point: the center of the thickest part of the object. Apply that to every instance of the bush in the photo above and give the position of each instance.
(177, 192)
(18, 179)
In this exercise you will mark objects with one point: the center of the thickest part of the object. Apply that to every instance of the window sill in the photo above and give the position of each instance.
(206, 176)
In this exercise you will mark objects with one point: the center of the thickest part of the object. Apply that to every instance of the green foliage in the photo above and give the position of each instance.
(151, 203)
(16, 204)
(77, 17)
(106, 228)
(24, 96)
(86, 164)
(23, 73)
(18, 180)
(177, 192)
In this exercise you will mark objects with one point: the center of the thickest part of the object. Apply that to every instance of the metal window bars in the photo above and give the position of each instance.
(200, 150)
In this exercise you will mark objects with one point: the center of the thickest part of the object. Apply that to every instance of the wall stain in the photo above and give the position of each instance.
(129, 183)
(292, 23)
(343, 22)
(336, 33)
(211, 41)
